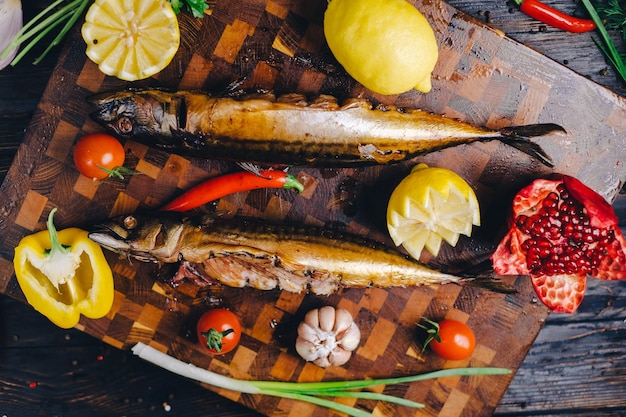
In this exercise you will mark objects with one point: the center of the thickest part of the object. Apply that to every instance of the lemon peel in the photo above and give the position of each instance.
(387, 46)
(129, 39)
(428, 206)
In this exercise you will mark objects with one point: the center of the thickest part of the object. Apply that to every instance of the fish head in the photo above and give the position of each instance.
(135, 113)
(145, 237)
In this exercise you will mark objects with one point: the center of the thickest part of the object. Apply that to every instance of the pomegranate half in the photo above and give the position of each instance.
(561, 232)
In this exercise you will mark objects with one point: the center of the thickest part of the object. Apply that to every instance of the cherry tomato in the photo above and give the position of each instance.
(99, 156)
(219, 330)
(450, 339)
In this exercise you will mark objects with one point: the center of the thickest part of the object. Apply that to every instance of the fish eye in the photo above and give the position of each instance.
(130, 222)
(124, 125)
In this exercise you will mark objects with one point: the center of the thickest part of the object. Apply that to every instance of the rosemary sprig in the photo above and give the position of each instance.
(613, 10)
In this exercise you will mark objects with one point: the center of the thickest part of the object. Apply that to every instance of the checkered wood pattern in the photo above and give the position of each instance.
(482, 77)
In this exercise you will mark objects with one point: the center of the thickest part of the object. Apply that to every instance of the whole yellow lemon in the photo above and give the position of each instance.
(386, 45)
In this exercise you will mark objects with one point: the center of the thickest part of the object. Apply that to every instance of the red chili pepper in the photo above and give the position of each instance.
(555, 18)
(220, 186)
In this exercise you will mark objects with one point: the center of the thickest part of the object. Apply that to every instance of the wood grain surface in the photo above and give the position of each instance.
(132, 328)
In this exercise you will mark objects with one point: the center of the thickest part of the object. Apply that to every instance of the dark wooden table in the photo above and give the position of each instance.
(576, 366)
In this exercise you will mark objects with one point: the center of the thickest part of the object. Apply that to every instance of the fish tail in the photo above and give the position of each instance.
(482, 275)
(489, 282)
(518, 137)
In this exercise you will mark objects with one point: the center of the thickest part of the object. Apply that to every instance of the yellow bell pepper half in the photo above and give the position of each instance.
(64, 274)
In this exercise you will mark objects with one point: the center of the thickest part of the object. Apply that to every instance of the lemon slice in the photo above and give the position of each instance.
(388, 46)
(429, 206)
(130, 39)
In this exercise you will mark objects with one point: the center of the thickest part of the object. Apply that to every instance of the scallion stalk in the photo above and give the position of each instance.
(42, 24)
(308, 391)
(607, 46)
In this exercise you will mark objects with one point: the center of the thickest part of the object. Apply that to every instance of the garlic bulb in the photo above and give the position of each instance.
(327, 336)
(10, 23)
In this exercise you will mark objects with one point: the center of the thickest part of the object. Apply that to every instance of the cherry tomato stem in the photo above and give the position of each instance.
(449, 339)
(220, 186)
(218, 330)
(214, 338)
(555, 18)
(100, 156)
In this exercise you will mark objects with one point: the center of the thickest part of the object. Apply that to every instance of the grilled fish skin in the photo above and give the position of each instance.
(291, 130)
(242, 253)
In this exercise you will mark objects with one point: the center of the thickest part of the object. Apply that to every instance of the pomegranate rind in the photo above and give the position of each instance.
(601, 213)
(613, 267)
(562, 292)
(528, 200)
(508, 258)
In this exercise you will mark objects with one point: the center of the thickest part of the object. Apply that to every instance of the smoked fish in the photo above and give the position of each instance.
(240, 253)
(292, 130)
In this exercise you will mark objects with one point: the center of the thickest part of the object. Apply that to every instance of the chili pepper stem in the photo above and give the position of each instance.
(292, 182)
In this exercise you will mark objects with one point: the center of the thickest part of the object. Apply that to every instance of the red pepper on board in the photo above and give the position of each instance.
(555, 18)
(220, 186)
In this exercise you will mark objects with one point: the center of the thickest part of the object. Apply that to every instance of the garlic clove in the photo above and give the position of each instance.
(306, 349)
(11, 22)
(322, 362)
(339, 356)
(312, 318)
(309, 332)
(351, 338)
(326, 318)
(343, 321)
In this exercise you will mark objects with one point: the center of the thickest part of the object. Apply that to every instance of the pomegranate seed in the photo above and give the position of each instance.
(522, 223)
(551, 200)
(567, 230)
(552, 212)
(554, 232)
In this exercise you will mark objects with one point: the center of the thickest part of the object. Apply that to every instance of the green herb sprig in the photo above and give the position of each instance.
(195, 7)
(609, 15)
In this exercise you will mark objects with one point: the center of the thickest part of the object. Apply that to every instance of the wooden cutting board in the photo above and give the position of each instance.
(482, 77)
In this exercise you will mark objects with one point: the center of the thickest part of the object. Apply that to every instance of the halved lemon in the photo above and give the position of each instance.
(431, 205)
(130, 39)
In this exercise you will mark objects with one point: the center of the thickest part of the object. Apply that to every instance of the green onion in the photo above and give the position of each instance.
(305, 391)
(42, 24)
(607, 46)
(56, 14)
